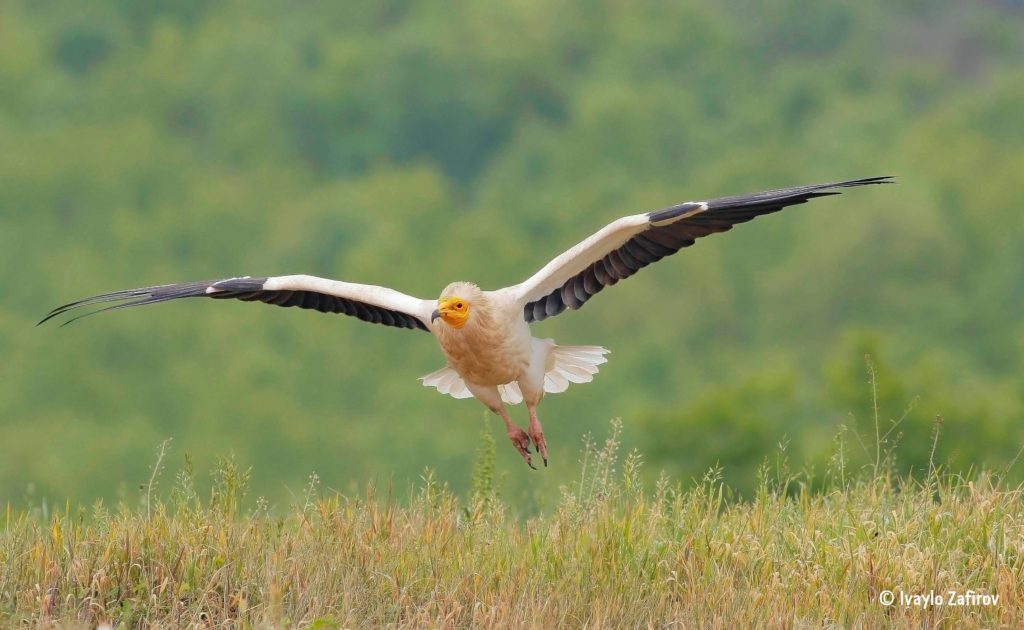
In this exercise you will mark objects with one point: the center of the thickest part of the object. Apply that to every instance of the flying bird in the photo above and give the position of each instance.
(485, 335)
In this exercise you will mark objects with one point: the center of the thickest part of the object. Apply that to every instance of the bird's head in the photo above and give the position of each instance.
(456, 303)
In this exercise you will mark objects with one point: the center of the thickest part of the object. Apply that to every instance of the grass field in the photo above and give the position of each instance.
(610, 554)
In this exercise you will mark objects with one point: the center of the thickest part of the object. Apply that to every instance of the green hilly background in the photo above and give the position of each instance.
(414, 143)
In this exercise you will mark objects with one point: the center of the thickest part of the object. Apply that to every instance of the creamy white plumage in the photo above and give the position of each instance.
(490, 351)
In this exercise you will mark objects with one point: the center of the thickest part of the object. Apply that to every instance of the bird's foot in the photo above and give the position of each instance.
(537, 435)
(521, 441)
(542, 446)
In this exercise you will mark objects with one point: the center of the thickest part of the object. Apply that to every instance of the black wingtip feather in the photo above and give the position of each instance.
(782, 197)
(146, 295)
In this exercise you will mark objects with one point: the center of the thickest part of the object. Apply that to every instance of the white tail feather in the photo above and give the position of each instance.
(572, 364)
(565, 365)
(510, 393)
(447, 381)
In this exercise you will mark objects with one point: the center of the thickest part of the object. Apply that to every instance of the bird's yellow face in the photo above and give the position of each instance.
(453, 310)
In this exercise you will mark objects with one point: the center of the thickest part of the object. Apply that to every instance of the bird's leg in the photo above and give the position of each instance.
(519, 438)
(537, 433)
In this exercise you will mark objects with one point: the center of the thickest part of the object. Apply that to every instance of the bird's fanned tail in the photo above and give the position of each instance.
(565, 365)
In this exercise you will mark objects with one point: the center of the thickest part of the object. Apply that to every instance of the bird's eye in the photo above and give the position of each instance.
(459, 306)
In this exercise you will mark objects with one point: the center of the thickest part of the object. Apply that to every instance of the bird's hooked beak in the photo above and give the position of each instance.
(454, 311)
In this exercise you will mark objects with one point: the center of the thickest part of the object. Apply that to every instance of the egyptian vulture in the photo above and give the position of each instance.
(485, 335)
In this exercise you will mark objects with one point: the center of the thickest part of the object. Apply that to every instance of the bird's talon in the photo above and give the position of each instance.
(540, 445)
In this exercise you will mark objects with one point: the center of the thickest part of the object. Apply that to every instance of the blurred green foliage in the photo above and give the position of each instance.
(413, 143)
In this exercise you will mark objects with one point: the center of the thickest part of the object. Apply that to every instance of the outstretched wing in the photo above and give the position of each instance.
(378, 305)
(625, 246)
